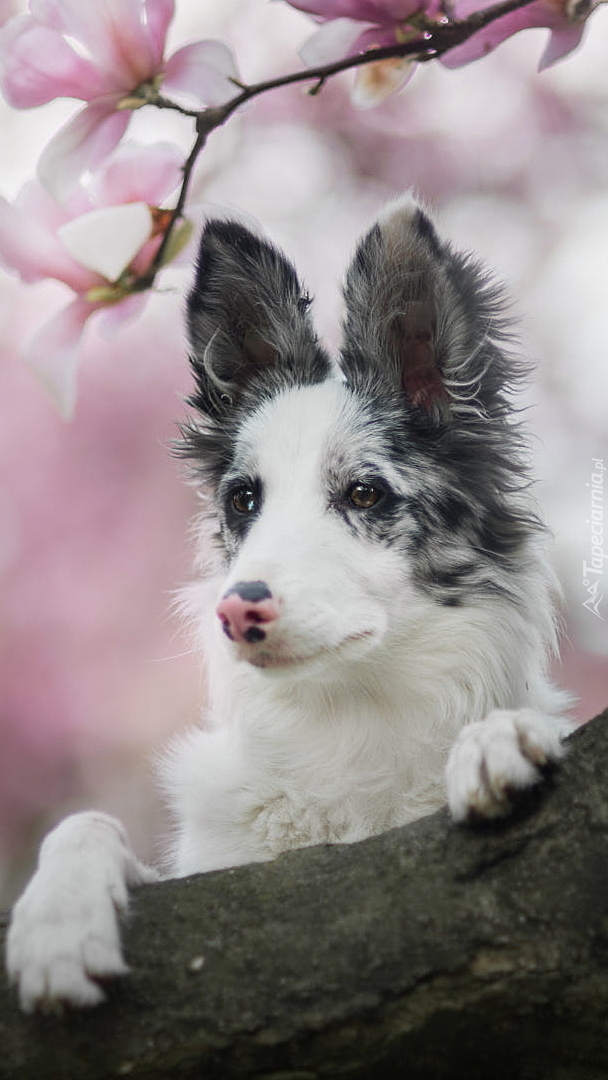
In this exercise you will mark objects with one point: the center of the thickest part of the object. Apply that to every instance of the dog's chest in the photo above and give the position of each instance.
(285, 822)
(324, 806)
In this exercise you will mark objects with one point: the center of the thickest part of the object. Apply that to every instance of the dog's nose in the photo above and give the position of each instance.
(246, 609)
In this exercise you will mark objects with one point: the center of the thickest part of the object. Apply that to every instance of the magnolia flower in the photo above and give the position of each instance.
(354, 26)
(99, 245)
(108, 53)
(564, 18)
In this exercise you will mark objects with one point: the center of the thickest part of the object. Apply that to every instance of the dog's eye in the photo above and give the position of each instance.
(363, 496)
(244, 500)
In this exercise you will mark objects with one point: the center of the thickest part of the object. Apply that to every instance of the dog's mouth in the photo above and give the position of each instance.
(278, 658)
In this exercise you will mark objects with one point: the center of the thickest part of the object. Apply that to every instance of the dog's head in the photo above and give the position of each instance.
(346, 500)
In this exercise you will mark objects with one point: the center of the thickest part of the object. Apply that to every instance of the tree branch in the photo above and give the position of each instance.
(432, 951)
(430, 40)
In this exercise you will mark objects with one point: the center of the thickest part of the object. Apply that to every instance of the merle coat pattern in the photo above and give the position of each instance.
(374, 601)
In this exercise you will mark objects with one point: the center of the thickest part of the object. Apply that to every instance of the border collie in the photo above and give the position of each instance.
(375, 604)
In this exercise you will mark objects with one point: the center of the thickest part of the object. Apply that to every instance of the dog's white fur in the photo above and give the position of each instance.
(336, 726)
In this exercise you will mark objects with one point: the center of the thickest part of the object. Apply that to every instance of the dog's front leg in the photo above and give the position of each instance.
(64, 932)
(493, 759)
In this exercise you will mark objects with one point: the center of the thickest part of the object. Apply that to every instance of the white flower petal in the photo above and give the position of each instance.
(107, 240)
(332, 41)
(54, 354)
(377, 81)
(203, 71)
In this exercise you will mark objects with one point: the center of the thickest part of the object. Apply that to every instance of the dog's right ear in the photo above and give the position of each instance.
(247, 319)
(429, 322)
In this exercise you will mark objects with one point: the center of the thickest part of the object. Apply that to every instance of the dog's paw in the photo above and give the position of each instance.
(64, 933)
(495, 758)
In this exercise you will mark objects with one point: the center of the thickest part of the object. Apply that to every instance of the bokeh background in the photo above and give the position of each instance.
(96, 672)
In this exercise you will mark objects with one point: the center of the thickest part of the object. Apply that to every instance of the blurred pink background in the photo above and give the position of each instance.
(95, 671)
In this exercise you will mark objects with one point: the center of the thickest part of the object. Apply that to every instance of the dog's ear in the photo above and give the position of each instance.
(424, 317)
(247, 318)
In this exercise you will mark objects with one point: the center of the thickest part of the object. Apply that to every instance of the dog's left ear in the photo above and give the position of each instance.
(247, 319)
(423, 317)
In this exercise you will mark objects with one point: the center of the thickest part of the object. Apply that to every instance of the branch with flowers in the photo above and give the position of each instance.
(94, 218)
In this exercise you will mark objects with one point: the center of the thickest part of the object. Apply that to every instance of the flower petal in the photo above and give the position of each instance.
(561, 42)
(158, 16)
(375, 82)
(137, 173)
(541, 13)
(113, 318)
(380, 12)
(116, 34)
(15, 251)
(39, 65)
(136, 30)
(332, 41)
(53, 353)
(79, 145)
(362, 10)
(28, 241)
(108, 239)
(203, 70)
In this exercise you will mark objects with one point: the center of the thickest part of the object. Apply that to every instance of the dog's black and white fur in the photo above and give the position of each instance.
(379, 605)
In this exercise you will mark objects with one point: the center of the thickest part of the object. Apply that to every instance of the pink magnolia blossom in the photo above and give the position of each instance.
(354, 26)
(98, 244)
(564, 18)
(109, 53)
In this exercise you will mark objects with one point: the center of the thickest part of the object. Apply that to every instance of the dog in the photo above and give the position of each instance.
(374, 600)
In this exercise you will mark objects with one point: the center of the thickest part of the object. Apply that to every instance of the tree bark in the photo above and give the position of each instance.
(431, 952)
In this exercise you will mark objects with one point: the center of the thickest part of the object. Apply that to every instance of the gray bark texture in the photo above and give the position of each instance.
(431, 952)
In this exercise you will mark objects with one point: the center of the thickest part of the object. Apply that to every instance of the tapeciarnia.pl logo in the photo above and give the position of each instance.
(593, 571)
